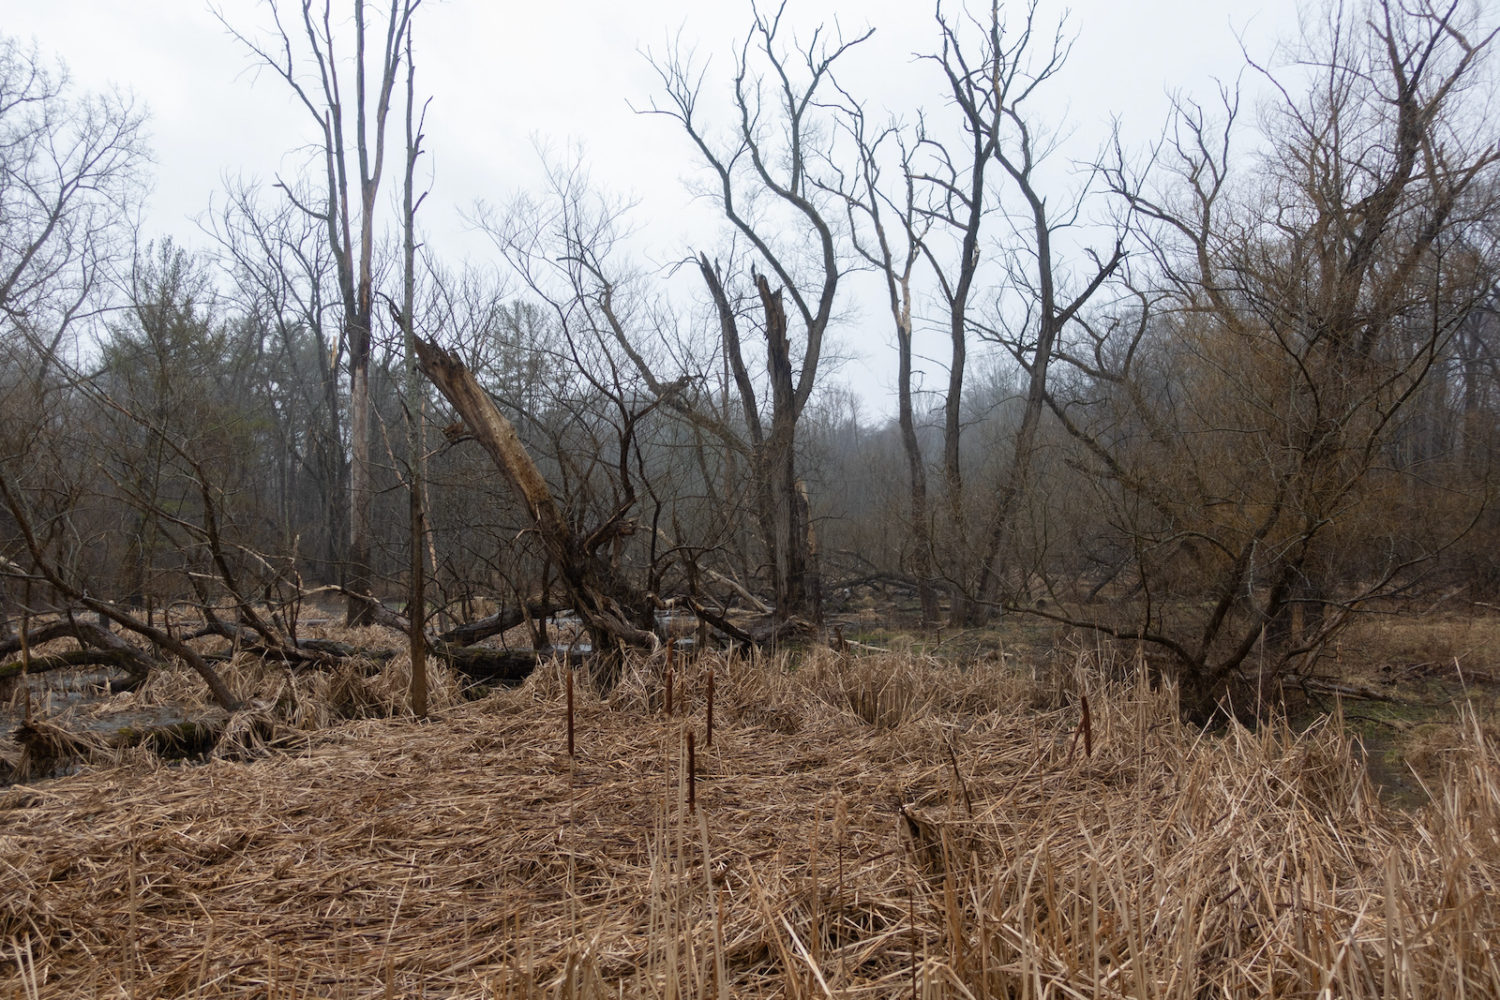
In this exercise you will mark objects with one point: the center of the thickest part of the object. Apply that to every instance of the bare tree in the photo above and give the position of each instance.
(1244, 416)
(306, 54)
(773, 157)
(955, 196)
(994, 90)
(282, 282)
(897, 229)
(71, 176)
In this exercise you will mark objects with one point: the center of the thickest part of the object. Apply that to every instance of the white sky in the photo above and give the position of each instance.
(502, 76)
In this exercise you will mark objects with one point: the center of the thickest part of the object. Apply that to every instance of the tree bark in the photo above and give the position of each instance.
(791, 540)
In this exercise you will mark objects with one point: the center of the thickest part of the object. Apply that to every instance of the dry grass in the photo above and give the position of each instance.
(1403, 649)
(885, 826)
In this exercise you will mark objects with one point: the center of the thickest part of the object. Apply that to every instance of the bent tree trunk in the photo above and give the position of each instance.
(613, 612)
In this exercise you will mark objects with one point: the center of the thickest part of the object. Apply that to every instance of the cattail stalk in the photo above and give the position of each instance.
(1088, 727)
(692, 772)
(570, 712)
(911, 903)
(709, 733)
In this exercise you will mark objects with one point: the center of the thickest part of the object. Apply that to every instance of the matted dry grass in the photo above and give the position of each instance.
(876, 827)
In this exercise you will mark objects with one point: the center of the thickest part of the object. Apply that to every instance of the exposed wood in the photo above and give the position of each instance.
(610, 609)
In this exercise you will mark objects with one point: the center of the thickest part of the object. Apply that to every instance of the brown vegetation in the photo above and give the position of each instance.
(882, 826)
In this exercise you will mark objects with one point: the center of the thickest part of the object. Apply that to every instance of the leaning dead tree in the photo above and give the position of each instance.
(615, 613)
(765, 180)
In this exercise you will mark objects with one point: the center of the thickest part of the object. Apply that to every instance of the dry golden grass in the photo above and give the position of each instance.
(881, 826)
(1403, 649)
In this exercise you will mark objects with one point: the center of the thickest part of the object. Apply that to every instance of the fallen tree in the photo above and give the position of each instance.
(616, 614)
(98, 647)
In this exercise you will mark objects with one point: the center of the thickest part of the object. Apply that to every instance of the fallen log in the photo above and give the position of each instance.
(466, 634)
(724, 625)
(502, 666)
(48, 748)
(764, 631)
(98, 647)
(480, 663)
(75, 658)
(501, 622)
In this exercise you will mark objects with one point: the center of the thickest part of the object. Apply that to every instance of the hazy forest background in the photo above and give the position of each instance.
(1212, 397)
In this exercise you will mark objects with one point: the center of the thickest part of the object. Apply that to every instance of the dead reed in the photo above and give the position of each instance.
(882, 826)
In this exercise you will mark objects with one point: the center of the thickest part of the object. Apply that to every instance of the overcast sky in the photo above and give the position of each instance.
(504, 76)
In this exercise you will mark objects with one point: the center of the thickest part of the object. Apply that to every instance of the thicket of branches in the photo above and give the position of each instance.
(1214, 396)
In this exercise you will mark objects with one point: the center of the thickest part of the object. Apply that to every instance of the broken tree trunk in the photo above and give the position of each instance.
(613, 612)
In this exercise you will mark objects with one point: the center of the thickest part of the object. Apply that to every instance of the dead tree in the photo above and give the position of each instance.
(307, 58)
(615, 613)
(773, 156)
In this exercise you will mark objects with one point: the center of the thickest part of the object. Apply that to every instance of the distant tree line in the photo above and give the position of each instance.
(1212, 397)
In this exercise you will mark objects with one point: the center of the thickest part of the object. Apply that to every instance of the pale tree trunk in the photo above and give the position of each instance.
(323, 95)
(416, 598)
(357, 573)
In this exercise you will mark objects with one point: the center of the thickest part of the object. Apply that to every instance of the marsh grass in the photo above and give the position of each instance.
(883, 825)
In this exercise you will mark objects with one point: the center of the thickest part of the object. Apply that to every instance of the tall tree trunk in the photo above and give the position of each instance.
(791, 529)
(916, 473)
(357, 576)
(416, 602)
